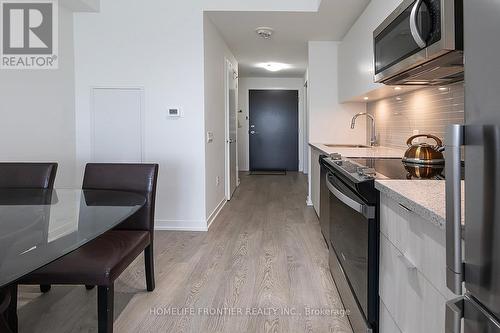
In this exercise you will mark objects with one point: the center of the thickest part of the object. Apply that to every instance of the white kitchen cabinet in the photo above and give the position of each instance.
(412, 269)
(414, 303)
(386, 322)
(356, 51)
(421, 241)
(315, 178)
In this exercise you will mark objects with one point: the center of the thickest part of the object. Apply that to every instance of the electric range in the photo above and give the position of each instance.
(349, 217)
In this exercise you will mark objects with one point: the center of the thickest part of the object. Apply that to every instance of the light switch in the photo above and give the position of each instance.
(210, 137)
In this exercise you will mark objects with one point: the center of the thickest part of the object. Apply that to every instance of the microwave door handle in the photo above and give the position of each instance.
(453, 165)
(367, 211)
(414, 25)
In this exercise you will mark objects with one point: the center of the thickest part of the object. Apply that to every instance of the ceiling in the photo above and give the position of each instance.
(292, 31)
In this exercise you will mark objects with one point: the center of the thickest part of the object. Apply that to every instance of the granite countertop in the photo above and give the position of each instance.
(426, 198)
(377, 151)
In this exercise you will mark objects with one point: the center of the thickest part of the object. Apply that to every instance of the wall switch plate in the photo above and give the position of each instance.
(173, 112)
(210, 137)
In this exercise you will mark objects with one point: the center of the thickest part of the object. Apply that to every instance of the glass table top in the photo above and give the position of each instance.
(40, 226)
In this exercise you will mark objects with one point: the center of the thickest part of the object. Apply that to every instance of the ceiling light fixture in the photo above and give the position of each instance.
(443, 89)
(365, 98)
(398, 88)
(273, 66)
(264, 32)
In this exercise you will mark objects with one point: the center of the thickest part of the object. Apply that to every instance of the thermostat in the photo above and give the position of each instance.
(174, 112)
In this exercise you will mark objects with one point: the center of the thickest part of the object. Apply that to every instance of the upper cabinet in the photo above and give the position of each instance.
(356, 54)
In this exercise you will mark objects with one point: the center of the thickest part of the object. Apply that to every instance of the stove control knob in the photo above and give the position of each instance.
(369, 172)
(361, 171)
(336, 156)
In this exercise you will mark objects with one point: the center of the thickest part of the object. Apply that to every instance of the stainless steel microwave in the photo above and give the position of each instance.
(420, 43)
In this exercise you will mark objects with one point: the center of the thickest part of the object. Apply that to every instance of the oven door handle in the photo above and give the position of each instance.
(365, 210)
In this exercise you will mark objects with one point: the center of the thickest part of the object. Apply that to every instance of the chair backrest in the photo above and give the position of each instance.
(139, 178)
(28, 175)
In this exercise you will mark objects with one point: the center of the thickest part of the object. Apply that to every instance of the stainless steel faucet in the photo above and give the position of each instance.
(373, 139)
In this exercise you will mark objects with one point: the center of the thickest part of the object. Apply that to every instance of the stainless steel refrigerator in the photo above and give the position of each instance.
(473, 255)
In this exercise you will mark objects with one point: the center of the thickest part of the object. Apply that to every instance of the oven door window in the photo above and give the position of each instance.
(349, 239)
(396, 42)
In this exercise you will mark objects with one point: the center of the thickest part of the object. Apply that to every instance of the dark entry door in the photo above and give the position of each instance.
(274, 130)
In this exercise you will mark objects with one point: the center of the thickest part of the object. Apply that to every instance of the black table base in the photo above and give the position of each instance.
(8, 309)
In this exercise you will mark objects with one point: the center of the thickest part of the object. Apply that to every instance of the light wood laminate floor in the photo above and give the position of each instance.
(262, 267)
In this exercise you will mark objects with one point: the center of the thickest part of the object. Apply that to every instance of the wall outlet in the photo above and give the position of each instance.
(217, 181)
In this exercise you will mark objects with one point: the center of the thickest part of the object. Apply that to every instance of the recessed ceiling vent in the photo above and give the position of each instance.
(264, 32)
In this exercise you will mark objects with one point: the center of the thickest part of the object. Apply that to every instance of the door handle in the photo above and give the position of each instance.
(414, 26)
(453, 167)
(454, 315)
(253, 132)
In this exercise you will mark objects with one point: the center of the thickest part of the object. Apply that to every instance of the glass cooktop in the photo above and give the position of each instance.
(393, 168)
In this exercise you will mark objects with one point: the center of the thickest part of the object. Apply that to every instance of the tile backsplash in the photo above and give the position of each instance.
(428, 110)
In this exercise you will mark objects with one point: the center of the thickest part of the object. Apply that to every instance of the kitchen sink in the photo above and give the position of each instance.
(346, 146)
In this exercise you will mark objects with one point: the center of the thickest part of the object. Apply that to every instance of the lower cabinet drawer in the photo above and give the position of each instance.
(387, 323)
(413, 303)
(420, 240)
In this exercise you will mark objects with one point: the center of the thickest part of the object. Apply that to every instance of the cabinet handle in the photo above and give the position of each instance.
(407, 262)
(405, 208)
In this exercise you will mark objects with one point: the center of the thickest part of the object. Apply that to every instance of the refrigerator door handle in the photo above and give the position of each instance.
(454, 260)
(454, 315)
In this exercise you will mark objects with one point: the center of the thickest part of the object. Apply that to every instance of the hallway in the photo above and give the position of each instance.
(262, 267)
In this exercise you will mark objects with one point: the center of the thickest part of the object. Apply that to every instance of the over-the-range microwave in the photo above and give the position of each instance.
(421, 43)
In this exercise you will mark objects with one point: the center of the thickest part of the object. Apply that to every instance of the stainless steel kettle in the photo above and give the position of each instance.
(424, 153)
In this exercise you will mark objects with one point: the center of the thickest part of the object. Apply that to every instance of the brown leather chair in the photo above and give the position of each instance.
(101, 261)
(29, 176)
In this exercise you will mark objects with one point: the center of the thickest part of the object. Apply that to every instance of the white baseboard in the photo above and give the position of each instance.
(309, 201)
(216, 212)
(180, 225)
(190, 225)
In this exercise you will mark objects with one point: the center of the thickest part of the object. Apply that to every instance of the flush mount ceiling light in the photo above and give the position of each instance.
(273, 66)
(264, 32)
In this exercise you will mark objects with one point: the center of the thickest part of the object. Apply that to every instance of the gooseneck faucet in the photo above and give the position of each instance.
(373, 139)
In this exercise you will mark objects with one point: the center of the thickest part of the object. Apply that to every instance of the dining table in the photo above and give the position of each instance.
(38, 226)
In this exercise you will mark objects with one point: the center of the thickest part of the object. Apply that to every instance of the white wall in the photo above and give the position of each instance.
(356, 50)
(37, 111)
(329, 121)
(158, 46)
(246, 84)
(216, 53)
(131, 44)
